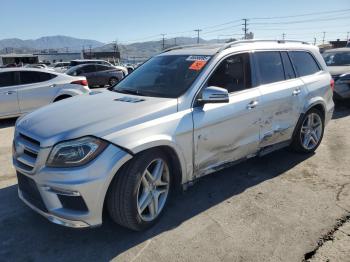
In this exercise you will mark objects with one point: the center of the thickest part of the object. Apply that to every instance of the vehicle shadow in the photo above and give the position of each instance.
(24, 235)
(7, 122)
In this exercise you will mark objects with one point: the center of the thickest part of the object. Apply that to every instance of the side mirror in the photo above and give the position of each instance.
(213, 94)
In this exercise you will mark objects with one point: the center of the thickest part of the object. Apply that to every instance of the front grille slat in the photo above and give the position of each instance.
(27, 160)
(28, 154)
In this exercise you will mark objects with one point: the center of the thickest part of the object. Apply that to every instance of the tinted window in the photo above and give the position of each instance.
(103, 68)
(288, 68)
(28, 77)
(88, 69)
(270, 67)
(304, 63)
(232, 74)
(7, 79)
(337, 58)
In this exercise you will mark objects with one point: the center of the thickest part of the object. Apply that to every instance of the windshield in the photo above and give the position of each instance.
(337, 58)
(163, 76)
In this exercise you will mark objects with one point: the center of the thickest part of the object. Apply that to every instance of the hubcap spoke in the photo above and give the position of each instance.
(145, 201)
(153, 190)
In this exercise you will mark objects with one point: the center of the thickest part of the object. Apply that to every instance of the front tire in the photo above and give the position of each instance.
(139, 193)
(309, 132)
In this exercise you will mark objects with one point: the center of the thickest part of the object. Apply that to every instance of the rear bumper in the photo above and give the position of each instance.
(342, 91)
(72, 197)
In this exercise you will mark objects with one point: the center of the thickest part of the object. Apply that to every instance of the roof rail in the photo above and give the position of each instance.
(182, 46)
(230, 44)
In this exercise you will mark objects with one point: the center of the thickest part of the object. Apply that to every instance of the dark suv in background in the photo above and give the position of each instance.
(97, 74)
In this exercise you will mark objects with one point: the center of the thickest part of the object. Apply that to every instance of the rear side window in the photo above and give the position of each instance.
(7, 79)
(28, 77)
(288, 68)
(304, 63)
(102, 68)
(88, 69)
(270, 67)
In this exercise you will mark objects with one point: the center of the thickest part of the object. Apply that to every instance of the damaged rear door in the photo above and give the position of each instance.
(226, 132)
(281, 95)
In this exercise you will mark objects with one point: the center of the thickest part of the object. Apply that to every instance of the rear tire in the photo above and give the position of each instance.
(309, 132)
(139, 193)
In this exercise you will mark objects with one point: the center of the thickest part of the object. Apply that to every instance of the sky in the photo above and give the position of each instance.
(130, 21)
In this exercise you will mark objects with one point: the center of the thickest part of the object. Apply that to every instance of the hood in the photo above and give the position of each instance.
(338, 70)
(98, 114)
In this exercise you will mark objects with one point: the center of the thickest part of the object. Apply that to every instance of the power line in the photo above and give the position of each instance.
(301, 15)
(302, 21)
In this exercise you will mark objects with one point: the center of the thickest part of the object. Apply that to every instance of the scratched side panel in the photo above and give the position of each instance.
(280, 110)
(225, 132)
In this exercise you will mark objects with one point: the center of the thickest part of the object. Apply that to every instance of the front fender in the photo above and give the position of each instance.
(157, 141)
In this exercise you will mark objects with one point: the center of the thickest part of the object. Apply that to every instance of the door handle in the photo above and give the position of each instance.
(296, 92)
(252, 104)
(53, 85)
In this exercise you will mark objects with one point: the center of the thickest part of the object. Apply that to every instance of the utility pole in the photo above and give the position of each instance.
(245, 28)
(198, 30)
(314, 40)
(175, 40)
(283, 36)
(90, 50)
(347, 36)
(163, 42)
(324, 36)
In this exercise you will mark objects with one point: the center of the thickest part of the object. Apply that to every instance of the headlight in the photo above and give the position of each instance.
(76, 152)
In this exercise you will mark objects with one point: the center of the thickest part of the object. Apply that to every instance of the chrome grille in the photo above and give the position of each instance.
(26, 152)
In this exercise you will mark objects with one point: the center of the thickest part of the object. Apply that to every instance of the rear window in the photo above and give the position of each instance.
(304, 63)
(7, 79)
(270, 67)
(337, 58)
(29, 77)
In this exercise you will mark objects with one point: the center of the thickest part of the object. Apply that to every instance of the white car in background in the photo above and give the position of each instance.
(60, 67)
(24, 89)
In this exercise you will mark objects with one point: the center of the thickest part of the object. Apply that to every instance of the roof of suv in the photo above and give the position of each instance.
(211, 49)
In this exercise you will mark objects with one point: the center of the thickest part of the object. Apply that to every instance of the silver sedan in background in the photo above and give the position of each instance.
(24, 89)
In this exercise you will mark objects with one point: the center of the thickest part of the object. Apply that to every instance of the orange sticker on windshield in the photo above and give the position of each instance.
(197, 65)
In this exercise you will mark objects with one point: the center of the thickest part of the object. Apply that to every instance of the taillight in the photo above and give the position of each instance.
(332, 84)
(80, 82)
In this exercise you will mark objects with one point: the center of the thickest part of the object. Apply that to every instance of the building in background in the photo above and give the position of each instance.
(54, 56)
(110, 56)
(18, 59)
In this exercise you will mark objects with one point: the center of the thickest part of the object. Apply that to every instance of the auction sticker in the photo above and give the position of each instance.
(198, 58)
(197, 65)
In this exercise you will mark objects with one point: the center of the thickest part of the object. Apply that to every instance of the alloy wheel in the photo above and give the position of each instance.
(153, 190)
(311, 131)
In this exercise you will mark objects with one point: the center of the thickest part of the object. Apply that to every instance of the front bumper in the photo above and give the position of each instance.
(72, 197)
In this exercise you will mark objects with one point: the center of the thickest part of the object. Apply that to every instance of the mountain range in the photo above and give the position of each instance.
(71, 44)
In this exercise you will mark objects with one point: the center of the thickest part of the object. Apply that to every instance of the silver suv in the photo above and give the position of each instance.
(183, 114)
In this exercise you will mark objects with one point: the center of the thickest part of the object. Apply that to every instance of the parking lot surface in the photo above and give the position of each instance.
(275, 208)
